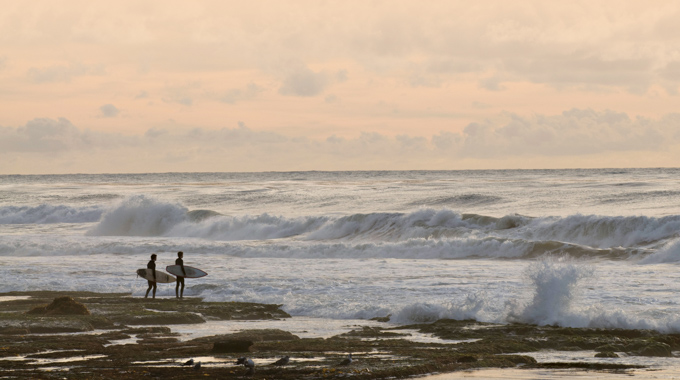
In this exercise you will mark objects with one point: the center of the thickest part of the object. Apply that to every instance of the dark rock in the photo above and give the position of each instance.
(467, 359)
(61, 306)
(162, 319)
(13, 330)
(261, 335)
(610, 348)
(606, 354)
(655, 349)
(233, 345)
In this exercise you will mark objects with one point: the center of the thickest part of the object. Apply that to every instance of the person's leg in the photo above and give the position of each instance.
(181, 292)
(177, 287)
(151, 284)
(155, 286)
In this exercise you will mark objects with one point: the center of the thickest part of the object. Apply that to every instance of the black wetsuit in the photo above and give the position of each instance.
(180, 279)
(152, 284)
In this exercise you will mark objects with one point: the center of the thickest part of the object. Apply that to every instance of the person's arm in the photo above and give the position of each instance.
(153, 269)
(182, 266)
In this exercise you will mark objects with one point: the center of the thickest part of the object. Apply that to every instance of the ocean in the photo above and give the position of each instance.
(576, 248)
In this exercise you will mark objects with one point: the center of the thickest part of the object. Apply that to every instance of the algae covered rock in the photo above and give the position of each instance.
(606, 354)
(232, 345)
(655, 349)
(61, 306)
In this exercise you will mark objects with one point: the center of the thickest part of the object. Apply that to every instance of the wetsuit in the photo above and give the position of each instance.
(152, 284)
(180, 279)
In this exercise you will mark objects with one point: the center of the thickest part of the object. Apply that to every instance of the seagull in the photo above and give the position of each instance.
(347, 360)
(189, 362)
(283, 361)
(197, 366)
(249, 363)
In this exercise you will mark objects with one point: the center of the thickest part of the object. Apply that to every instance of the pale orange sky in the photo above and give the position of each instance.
(166, 86)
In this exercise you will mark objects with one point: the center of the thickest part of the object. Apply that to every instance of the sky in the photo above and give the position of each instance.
(234, 86)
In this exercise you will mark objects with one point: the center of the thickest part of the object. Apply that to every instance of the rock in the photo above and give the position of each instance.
(467, 359)
(610, 348)
(261, 335)
(655, 349)
(10, 330)
(606, 354)
(232, 345)
(175, 318)
(61, 306)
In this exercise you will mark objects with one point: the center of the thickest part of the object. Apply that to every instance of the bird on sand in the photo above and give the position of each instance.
(283, 361)
(188, 362)
(347, 360)
(248, 363)
(197, 366)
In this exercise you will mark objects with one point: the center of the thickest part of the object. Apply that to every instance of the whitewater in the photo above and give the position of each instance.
(574, 248)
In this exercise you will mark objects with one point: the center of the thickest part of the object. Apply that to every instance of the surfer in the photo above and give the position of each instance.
(152, 284)
(180, 279)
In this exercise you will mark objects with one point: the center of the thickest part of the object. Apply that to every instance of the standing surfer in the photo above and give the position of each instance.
(180, 279)
(152, 284)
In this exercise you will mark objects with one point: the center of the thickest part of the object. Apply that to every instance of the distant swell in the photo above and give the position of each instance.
(45, 214)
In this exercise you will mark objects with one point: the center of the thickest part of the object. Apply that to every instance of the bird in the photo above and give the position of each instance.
(188, 362)
(283, 361)
(347, 360)
(197, 366)
(249, 363)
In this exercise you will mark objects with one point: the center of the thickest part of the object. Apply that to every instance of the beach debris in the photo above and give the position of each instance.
(188, 362)
(283, 361)
(61, 306)
(347, 360)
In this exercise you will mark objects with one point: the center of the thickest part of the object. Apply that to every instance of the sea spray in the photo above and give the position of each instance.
(472, 307)
(555, 284)
(669, 253)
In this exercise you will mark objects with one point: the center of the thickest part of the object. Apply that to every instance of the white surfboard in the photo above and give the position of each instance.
(161, 277)
(190, 271)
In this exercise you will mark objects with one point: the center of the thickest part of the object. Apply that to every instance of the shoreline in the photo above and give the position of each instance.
(122, 337)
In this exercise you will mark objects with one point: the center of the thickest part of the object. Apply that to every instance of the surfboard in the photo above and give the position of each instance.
(161, 277)
(191, 271)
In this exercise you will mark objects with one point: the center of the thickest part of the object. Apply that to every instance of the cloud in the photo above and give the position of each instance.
(62, 73)
(569, 137)
(239, 94)
(142, 95)
(302, 81)
(572, 133)
(109, 110)
(48, 136)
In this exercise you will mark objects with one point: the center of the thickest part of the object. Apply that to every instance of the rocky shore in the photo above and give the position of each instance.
(82, 335)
